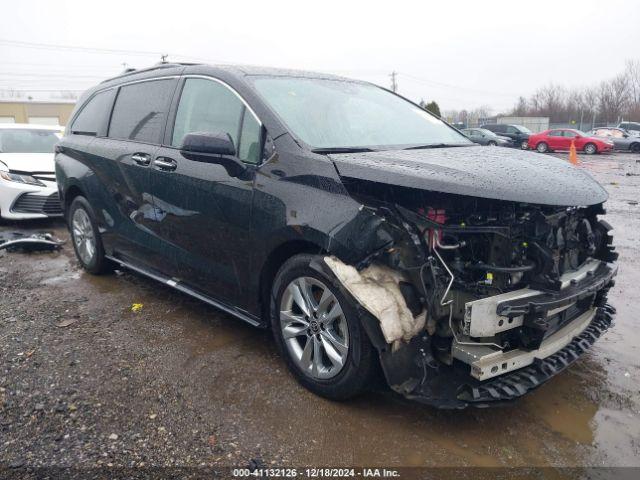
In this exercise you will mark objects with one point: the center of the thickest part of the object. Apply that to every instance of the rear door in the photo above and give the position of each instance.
(204, 211)
(555, 139)
(135, 131)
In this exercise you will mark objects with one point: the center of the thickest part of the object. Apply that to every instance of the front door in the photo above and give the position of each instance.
(204, 211)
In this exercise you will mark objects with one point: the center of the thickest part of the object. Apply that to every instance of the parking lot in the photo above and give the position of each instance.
(85, 381)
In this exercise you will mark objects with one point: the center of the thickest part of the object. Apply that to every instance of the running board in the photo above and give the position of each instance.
(189, 291)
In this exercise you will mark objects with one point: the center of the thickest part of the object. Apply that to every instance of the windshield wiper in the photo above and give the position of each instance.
(342, 150)
(437, 145)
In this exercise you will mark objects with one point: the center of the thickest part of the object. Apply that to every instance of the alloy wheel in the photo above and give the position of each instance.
(314, 328)
(83, 236)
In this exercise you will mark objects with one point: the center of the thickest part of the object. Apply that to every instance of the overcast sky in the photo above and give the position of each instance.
(463, 54)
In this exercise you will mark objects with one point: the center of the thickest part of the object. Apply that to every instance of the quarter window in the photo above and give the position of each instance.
(208, 106)
(93, 116)
(140, 111)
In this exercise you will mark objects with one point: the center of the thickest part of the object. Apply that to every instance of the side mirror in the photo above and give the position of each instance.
(213, 147)
(213, 143)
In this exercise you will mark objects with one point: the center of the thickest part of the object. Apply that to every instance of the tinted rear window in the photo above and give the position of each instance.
(93, 115)
(140, 111)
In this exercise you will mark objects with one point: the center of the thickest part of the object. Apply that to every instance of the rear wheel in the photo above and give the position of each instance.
(635, 147)
(524, 145)
(542, 147)
(492, 143)
(590, 149)
(86, 237)
(318, 331)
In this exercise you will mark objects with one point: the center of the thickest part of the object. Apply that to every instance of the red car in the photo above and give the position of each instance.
(561, 138)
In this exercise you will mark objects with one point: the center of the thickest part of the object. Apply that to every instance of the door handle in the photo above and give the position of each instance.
(165, 163)
(141, 159)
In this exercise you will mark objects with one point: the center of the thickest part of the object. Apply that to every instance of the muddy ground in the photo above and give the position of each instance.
(84, 381)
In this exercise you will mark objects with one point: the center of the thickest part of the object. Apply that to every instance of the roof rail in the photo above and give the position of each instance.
(159, 65)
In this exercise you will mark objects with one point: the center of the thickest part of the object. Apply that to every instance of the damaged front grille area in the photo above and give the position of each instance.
(493, 287)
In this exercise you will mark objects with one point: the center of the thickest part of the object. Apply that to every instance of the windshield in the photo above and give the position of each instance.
(340, 114)
(18, 140)
(523, 129)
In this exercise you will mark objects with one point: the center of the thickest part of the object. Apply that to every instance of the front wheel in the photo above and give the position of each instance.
(86, 237)
(590, 149)
(542, 147)
(635, 148)
(492, 144)
(524, 145)
(318, 331)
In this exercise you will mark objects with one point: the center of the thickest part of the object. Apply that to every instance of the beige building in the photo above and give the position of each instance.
(34, 111)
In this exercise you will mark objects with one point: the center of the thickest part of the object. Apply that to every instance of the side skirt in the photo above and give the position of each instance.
(176, 284)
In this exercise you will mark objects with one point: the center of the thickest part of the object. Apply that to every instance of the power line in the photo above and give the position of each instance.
(108, 51)
(51, 46)
(49, 75)
(456, 87)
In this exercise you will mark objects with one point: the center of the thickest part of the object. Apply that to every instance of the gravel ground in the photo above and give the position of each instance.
(85, 382)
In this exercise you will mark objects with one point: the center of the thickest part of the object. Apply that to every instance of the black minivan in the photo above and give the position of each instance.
(518, 134)
(361, 229)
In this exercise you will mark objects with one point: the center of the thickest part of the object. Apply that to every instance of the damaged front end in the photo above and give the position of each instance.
(477, 300)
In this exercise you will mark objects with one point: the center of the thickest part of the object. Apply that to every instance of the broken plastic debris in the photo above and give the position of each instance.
(136, 307)
(12, 241)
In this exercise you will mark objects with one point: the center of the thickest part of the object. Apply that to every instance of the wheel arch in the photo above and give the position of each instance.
(71, 192)
(276, 258)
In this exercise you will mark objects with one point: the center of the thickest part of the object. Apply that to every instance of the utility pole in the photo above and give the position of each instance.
(394, 81)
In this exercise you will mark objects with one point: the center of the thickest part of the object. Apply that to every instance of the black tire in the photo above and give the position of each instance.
(524, 145)
(358, 369)
(98, 264)
(635, 147)
(542, 147)
(492, 144)
(590, 149)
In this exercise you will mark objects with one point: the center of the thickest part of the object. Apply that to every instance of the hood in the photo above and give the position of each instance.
(501, 174)
(29, 162)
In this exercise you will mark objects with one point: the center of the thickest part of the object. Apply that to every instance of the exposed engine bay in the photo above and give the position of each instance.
(491, 284)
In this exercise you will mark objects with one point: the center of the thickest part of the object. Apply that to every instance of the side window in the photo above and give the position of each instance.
(140, 111)
(569, 134)
(511, 129)
(208, 106)
(93, 115)
(555, 133)
(249, 150)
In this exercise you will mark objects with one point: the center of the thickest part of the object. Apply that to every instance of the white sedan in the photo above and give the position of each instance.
(27, 171)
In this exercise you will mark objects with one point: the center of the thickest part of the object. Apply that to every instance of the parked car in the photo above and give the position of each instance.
(620, 138)
(632, 128)
(486, 137)
(561, 139)
(27, 178)
(518, 134)
(357, 226)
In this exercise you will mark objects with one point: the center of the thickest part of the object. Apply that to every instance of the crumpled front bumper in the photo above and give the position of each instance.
(413, 373)
(481, 375)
